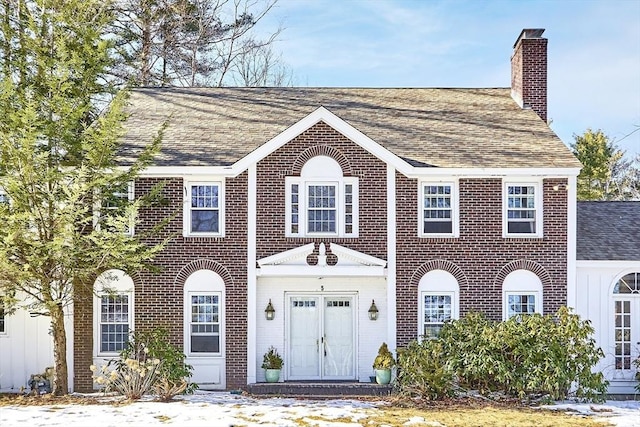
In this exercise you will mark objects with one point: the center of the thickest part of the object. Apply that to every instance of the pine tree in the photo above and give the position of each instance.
(56, 155)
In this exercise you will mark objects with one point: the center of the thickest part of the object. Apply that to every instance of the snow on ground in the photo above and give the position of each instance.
(225, 409)
(621, 413)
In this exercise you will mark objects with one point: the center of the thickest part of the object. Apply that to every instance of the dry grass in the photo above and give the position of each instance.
(477, 417)
(451, 413)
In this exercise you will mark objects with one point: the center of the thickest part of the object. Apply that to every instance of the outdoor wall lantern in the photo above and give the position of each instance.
(270, 312)
(373, 311)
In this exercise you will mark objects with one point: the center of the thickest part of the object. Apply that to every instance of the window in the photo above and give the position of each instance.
(112, 209)
(113, 312)
(205, 323)
(3, 324)
(439, 293)
(438, 209)
(523, 209)
(114, 323)
(204, 303)
(626, 315)
(522, 294)
(321, 201)
(203, 211)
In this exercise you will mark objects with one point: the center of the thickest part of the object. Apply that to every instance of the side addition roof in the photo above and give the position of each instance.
(609, 231)
(454, 128)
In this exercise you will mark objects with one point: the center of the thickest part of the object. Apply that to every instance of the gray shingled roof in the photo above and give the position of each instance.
(609, 231)
(479, 128)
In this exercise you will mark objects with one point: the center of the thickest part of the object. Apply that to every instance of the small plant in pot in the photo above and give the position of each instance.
(272, 364)
(383, 363)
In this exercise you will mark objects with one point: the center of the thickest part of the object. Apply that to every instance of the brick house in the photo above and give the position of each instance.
(323, 203)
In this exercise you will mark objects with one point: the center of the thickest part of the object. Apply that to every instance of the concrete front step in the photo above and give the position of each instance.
(319, 389)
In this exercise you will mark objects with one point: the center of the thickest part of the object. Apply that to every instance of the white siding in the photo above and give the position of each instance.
(26, 348)
(594, 301)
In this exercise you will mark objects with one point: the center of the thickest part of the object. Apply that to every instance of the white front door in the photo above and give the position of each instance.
(321, 337)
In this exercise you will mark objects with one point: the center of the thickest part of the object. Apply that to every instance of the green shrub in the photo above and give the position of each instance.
(525, 356)
(423, 372)
(149, 363)
(384, 359)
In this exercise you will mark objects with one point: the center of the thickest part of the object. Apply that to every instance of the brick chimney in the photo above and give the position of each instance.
(529, 71)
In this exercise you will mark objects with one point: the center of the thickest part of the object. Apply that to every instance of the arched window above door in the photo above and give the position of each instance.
(628, 284)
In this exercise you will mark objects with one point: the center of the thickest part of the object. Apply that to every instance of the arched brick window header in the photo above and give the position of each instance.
(440, 264)
(201, 264)
(321, 150)
(524, 264)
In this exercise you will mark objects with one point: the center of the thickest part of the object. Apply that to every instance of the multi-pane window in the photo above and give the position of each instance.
(204, 208)
(626, 293)
(204, 326)
(437, 309)
(437, 209)
(2, 320)
(295, 208)
(622, 331)
(114, 322)
(321, 209)
(522, 209)
(518, 304)
(113, 207)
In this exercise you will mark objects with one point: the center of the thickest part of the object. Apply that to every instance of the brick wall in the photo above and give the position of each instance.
(480, 252)
(159, 297)
(354, 160)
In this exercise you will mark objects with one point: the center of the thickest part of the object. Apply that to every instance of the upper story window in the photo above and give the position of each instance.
(438, 209)
(113, 312)
(203, 212)
(522, 209)
(113, 208)
(322, 201)
(522, 294)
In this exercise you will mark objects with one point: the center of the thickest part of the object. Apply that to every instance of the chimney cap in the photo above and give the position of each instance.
(529, 33)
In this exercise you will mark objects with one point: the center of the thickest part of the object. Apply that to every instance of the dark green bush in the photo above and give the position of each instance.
(422, 371)
(526, 357)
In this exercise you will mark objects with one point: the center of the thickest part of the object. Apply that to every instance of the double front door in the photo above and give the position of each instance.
(321, 337)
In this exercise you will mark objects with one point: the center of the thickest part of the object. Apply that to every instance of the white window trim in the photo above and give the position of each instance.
(454, 307)
(98, 208)
(507, 294)
(537, 184)
(519, 286)
(303, 184)
(455, 208)
(438, 282)
(204, 282)
(123, 285)
(186, 219)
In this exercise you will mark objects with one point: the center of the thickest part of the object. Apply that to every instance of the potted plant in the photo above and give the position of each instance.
(383, 364)
(272, 364)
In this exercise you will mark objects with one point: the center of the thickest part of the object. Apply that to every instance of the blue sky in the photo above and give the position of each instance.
(594, 51)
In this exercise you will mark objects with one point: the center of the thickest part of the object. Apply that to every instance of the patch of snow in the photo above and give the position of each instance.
(226, 409)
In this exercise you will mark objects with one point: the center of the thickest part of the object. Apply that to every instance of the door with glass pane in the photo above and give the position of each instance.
(321, 337)
(626, 316)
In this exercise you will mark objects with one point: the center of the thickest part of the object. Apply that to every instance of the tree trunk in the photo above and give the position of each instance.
(60, 384)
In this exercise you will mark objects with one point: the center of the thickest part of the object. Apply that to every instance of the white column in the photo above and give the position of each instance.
(391, 258)
(572, 227)
(251, 273)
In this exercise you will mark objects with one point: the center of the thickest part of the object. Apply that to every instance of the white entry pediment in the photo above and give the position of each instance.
(294, 263)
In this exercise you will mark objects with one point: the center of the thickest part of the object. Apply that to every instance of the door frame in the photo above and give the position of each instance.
(634, 302)
(322, 295)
